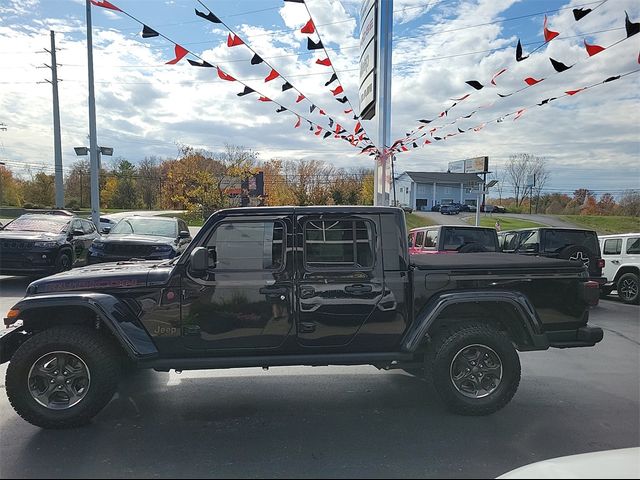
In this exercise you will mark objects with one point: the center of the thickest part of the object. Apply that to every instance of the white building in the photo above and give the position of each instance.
(423, 190)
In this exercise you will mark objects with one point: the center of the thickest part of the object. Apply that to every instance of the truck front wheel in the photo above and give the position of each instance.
(63, 376)
(475, 369)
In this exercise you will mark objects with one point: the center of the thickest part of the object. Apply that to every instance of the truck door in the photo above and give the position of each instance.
(244, 301)
(340, 278)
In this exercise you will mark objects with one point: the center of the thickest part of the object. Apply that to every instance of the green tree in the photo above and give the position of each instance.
(40, 190)
(10, 188)
(126, 193)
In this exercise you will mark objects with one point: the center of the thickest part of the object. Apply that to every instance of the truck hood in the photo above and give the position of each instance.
(105, 276)
(136, 239)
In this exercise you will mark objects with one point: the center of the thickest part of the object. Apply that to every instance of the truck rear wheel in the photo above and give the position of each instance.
(475, 369)
(628, 288)
(62, 377)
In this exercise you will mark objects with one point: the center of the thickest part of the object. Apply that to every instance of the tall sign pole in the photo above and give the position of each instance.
(57, 142)
(385, 42)
(93, 141)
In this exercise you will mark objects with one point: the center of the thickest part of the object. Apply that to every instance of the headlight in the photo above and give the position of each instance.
(45, 244)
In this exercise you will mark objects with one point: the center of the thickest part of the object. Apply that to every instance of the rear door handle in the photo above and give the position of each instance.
(358, 289)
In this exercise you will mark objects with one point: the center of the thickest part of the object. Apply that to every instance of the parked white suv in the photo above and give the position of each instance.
(622, 265)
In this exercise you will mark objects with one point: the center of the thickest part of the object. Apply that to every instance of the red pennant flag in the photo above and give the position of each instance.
(337, 91)
(573, 92)
(273, 75)
(105, 4)
(338, 128)
(351, 110)
(404, 149)
(532, 81)
(493, 80)
(433, 130)
(234, 40)
(548, 34)
(519, 113)
(593, 49)
(326, 62)
(461, 98)
(225, 76)
(297, 123)
(427, 142)
(479, 127)
(442, 114)
(180, 53)
(358, 127)
(322, 112)
(300, 98)
(264, 99)
(319, 131)
(309, 27)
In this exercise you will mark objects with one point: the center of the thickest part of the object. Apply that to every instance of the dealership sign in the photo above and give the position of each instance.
(368, 58)
(471, 165)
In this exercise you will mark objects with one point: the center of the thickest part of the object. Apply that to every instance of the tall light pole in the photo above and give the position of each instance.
(93, 141)
(82, 151)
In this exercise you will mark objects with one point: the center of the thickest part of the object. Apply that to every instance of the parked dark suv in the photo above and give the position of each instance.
(452, 209)
(565, 243)
(44, 244)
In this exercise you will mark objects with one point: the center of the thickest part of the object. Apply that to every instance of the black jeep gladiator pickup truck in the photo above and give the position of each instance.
(276, 286)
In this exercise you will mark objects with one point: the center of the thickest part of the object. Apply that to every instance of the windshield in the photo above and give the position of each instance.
(43, 224)
(455, 238)
(155, 227)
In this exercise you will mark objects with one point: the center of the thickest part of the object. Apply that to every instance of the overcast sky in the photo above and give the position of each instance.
(145, 107)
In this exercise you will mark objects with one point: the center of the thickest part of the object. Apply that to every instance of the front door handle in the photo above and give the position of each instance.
(358, 289)
(615, 262)
(307, 327)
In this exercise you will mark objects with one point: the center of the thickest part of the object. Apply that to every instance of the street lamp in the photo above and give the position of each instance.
(83, 151)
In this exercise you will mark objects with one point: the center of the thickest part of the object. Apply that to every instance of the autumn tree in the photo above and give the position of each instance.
(39, 191)
(10, 188)
(519, 168)
(630, 203)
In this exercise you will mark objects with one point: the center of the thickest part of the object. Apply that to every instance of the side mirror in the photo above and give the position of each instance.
(77, 233)
(184, 234)
(105, 230)
(199, 260)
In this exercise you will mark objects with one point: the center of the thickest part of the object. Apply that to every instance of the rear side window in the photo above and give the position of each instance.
(633, 246)
(431, 240)
(88, 227)
(247, 246)
(411, 237)
(612, 246)
(333, 244)
(509, 241)
(556, 240)
(455, 238)
(529, 240)
(419, 239)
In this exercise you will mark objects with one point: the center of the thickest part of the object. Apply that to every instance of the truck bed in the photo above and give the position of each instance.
(492, 261)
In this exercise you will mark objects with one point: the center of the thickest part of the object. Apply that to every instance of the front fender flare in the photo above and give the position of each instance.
(525, 311)
(114, 313)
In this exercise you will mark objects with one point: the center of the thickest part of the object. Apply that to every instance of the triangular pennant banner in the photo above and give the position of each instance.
(273, 75)
(415, 145)
(611, 79)
(319, 130)
(343, 99)
(547, 100)
(519, 113)
(632, 28)
(548, 34)
(493, 80)
(331, 122)
(193, 63)
(348, 111)
(311, 45)
(580, 13)
(300, 98)
(180, 54)
(593, 49)
(148, 32)
(573, 92)
(461, 98)
(427, 142)
(460, 130)
(246, 91)
(297, 123)
(225, 76)
(264, 99)
(209, 16)
(322, 112)
(286, 86)
(256, 59)
(333, 78)
(281, 109)
(312, 108)
(325, 61)
(425, 121)
(327, 135)
(234, 40)
(559, 66)
(504, 95)
(357, 128)
(519, 56)
(338, 90)
(475, 84)
(105, 4)
(479, 127)
(470, 115)
(532, 81)
(309, 27)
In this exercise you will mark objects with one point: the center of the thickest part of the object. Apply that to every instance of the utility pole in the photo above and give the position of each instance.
(93, 141)
(57, 141)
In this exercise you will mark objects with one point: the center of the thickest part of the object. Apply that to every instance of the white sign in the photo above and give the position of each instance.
(367, 28)
(367, 61)
(531, 180)
(471, 165)
(367, 92)
(366, 6)
(456, 167)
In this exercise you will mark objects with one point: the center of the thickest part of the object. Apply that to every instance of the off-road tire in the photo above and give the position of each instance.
(442, 351)
(625, 283)
(101, 356)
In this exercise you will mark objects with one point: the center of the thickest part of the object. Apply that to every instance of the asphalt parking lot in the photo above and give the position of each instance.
(339, 421)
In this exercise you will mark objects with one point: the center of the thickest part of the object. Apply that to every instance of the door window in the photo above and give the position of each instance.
(431, 240)
(411, 237)
(612, 246)
(420, 239)
(529, 241)
(633, 246)
(341, 244)
(88, 227)
(247, 246)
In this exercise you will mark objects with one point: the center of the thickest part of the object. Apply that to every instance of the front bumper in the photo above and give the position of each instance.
(27, 263)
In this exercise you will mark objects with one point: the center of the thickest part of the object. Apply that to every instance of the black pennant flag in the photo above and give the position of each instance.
(331, 122)
(559, 66)
(460, 130)
(327, 135)
(286, 86)
(415, 145)
(547, 100)
(312, 108)
(580, 13)
(504, 95)
(437, 138)
(193, 63)
(311, 45)
(425, 121)
(632, 28)
(148, 32)
(470, 115)
(256, 59)
(356, 117)
(333, 78)
(343, 99)
(246, 91)
(209, 16)
(611, 79)
(310, 126)
(475, 84)
(519, 56)
(281, 109)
